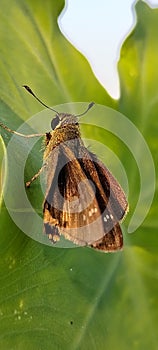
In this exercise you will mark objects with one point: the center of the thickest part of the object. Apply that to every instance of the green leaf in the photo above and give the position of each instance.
(2, 150)
(54, 298)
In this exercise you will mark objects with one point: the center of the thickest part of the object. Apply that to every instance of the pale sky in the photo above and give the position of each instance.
(97, 28)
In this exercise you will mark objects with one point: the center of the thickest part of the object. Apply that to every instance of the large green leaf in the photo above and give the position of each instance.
(77, 298)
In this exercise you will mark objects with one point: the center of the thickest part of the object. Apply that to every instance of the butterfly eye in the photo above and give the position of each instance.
(54, 122)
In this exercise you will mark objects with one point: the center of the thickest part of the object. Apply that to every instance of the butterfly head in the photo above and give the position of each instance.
(62, 120)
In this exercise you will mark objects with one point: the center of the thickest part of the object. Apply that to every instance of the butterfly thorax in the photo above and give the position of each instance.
(61, 135)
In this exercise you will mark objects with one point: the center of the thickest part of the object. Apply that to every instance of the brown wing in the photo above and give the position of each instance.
(71, 207)
(110, 196)
(111, 241)
(84, 202)
(118, 201)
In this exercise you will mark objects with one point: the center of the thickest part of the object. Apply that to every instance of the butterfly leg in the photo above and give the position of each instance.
(18, 133)
(28, 183)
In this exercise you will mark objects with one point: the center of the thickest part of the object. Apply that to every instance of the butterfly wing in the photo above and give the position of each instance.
(110, 196)
(70, 206)
(111, 241)
(83, 202)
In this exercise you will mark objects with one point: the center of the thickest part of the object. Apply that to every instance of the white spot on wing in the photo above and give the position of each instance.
(84, 217)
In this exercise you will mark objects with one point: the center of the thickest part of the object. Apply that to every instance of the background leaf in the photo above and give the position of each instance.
(77, 298)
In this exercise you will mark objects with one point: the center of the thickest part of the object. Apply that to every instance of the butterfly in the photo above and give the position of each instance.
(83, 200)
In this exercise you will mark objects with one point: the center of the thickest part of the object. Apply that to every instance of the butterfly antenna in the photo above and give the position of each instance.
(89, 107)
(32, 93)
